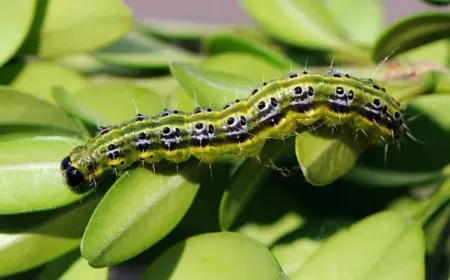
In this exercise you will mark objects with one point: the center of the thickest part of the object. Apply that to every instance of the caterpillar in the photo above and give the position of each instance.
(275, 109)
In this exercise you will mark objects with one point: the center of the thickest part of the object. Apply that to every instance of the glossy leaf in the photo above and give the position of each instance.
(211, 88)
(250, 67)
(393, 249)
(21, 111)
(242, 186)
(82, 270)
(39, 77)
(218, 256)
(31, 244)
(294, 249)
(390, 178)
(411, 32)
(31, 177)
(89, 104)
(223, 43)
(15, 22)
(324, 158)
(138, 211)
(63, 27)
(301, 23)
(138, 51)
(177, 29)
(366, 22)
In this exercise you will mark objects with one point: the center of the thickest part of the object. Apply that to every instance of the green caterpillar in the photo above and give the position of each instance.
(275, 109)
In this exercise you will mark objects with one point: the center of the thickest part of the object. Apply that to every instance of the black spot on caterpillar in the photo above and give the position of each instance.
(276, 109)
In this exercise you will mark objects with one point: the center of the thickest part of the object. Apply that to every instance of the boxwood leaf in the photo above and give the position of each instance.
(139, 51)
(39, 77)
(250, 67)
(295, 248)
(393, 249)
(31, 178)
(123, 102)
(15, 22)
(62, 28)
(411, 32)
(137, 212)
(177, 29)
(21, 111)
(390, 178)
(242, 186)
(365, 24)
(325, 157)
(32, 244)
(224, 255)
(210, 88)
(301, 23)
(222, 43)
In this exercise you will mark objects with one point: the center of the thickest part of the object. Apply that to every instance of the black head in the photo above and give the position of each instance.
(72, 176)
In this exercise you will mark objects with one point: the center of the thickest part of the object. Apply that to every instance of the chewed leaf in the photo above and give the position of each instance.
(32, 244)
(412, 32)
(62, 27)
(366, 21)
(210, 88)
(39, 77)
(325, 158)
(224, 255)
(138, 211)
(222, 43)
(138, 51)
(15, 22)
(21, 110)
(31, 177)
(393, 249)
(301, 23)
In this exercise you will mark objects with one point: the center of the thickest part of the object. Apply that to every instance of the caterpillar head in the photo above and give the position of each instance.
(78, 167)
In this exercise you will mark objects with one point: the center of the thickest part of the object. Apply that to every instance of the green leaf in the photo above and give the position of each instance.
(366, 22)
(223, 43)
(242, 186)
(393, 249)
(177, 29)
(294, 249)
(390, 178)
(435, 52)
(32, 180)
(89, 103)
(68, 27)
(138, 51)
(15, 22)
(210, 88)
(411, 32)
(39, 77)
(301, 23)
(268, 224)
(137, 212)
(435, 229)
(218, 256)
(325, 157)
(32, 244)
(21, 111)
(82, 270)
(250, 67)
(438, 2)
(428, 121)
